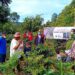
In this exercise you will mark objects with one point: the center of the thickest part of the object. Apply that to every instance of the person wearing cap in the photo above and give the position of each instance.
(3, 47)
(16, 44)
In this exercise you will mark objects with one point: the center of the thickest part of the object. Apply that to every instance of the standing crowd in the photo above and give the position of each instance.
(24, 43)
(19, 43)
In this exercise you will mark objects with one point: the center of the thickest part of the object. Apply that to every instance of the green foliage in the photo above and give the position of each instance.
(54, 17)
(5, 2)
(32, 23)
(69, 44)
(44, 51)
(64, 68)
(14, 17)
(4, 12)
(66, 17)
(38, 62)
(73, 3)
(7, 67)
(51, 44)
(11, 28)
(70, 41)
(35, 62)
(34, 65)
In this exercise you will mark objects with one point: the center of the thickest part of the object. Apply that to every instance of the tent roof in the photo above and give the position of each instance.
(63, 29)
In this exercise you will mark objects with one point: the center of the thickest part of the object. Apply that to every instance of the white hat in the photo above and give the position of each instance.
(17, 34)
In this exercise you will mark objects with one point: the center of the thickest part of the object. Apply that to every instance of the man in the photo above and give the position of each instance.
(3, 47)
(16, 44)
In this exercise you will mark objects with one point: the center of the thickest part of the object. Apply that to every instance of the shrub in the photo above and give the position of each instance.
(69, 44)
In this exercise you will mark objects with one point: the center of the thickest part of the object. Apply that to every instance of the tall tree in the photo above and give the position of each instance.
(4, 10)
(73, 3)
(14, 17)
(37, 23)
(54, 17)
(5, 2)
(32, 23)
(66, 17)
(28, 23)
(48, 23)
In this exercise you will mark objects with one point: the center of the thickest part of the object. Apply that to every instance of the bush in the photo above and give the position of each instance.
(38, 62)
(7, 67)
(69, 44)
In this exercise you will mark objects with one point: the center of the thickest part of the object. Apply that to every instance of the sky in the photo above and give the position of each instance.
(45, 8)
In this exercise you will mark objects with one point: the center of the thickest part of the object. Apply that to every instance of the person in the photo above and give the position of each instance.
(16, 44)
(3, 47)
(27, 42)
(38, 39)
(24, 35)
(71, 53)
(30, 36)
(43, 38)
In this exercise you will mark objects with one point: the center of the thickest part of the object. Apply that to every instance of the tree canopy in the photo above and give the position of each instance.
(14, 17)
(66, 17)
(32, 23)
(5, 2)
(4, 10)
(54, 17)
(7, 19)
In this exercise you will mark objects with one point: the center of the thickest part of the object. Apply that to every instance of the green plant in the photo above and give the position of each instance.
(7, 67)
(64, 68)
(69, 44)
(38, 62)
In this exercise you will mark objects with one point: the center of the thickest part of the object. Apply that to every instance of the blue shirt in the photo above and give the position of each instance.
(2, 45)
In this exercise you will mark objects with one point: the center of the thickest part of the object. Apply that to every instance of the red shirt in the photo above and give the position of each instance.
(24, 35)
(30, 37)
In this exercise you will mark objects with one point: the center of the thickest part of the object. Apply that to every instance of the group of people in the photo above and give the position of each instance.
(25, 44)
(19, 44)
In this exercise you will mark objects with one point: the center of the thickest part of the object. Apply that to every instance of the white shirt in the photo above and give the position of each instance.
(13, 44)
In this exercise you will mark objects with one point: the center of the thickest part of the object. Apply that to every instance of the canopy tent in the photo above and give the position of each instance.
(62, 29)
(58, 32)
